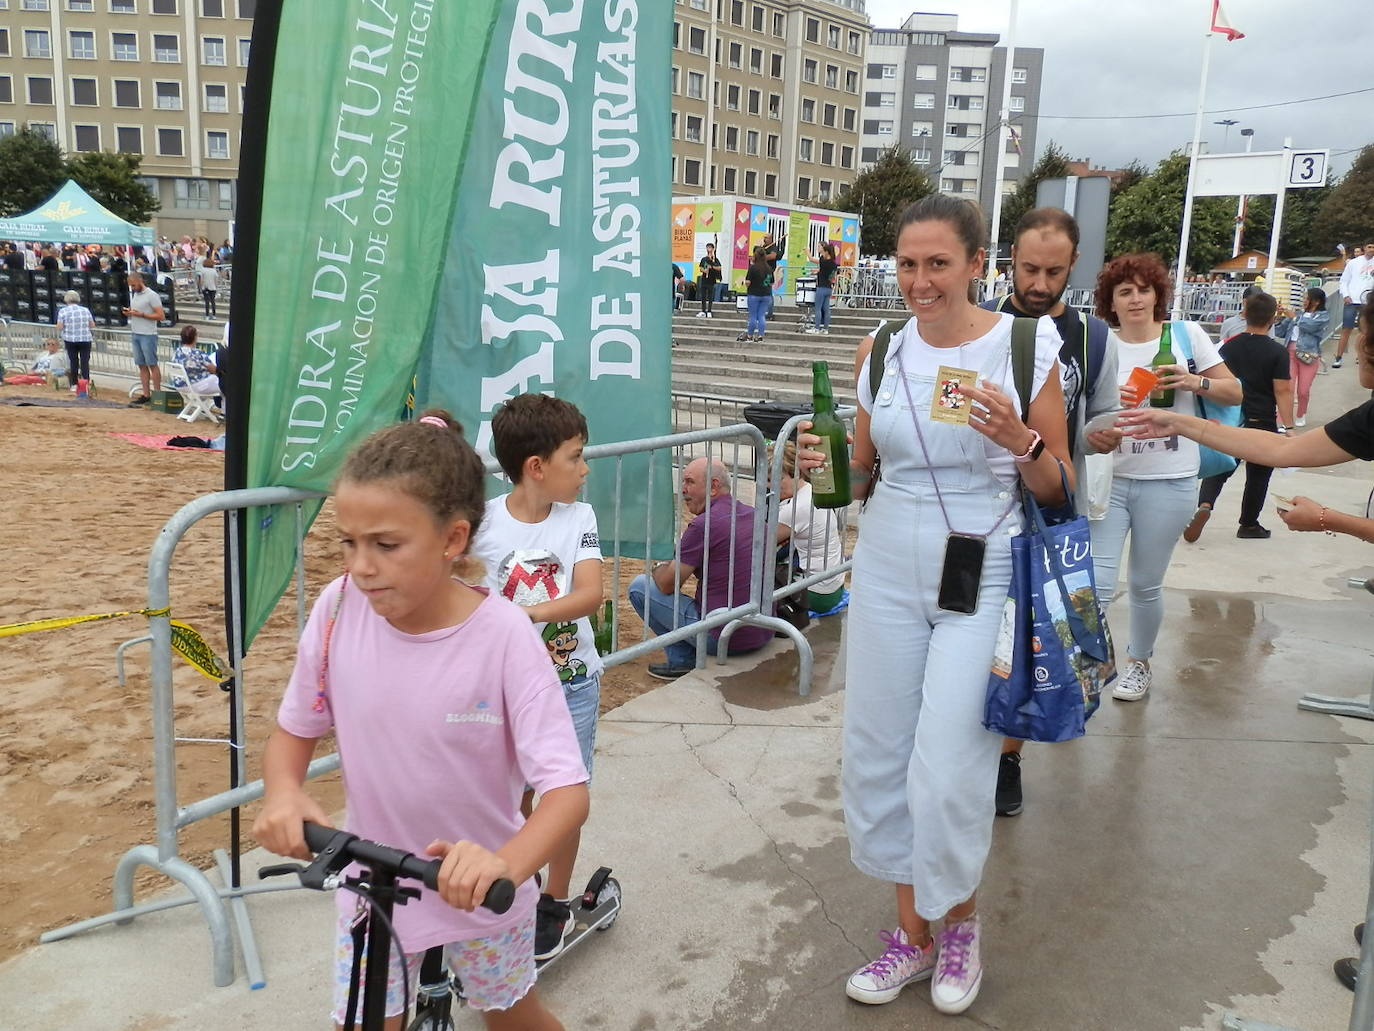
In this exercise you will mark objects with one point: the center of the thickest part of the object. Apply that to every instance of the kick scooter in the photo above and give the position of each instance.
(595, 910)
(382, 868)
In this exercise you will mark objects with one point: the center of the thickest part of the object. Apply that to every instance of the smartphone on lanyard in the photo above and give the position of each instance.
(962, 574)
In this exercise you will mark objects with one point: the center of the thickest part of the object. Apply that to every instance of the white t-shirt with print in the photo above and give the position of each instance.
(816, 534)
(530, 563)
(1163, 458)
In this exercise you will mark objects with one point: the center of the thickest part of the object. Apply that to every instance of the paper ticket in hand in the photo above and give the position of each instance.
(950, 404)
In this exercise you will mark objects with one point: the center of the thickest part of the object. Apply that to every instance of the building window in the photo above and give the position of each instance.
(751, 181)
(245, 46)
(851, 81)
(673, 130)
(754, 98)
(676, 80)
(808, 110)
(847, 157)
(242, 91)
(81, 5)
(693, 134)
(696, 85)
(674, 166)
(217, 97)
(212, 51)
(756, 60)
(226, 196)
(729, 180)
(166, 48)
(889, 71)
(1018, 75)
(34, 5)
(677, 35)
(772, 146)
(823, 191)
(1018, 103)
(813, 30)
(775, 65)
(770, 185)
(849, 119)
(164, 6)
(248, 8)
(124, 46)
(884, 128)
(922, 128)
(37, 44)
(920, 156)
(40, 90)
(809, 70)
(732, 138)
(129, 139)
(736, 12)
(217, 145)
(828, 115)
(736, 55)
(696, 40)
(85, 138)
(978, 75)
(691, 172)
(751, 142)
(123, 7)
(827, 153)
(169, 143)
(804, 188)
(832, 37)
(975, 103)
(45, 129)
(84, 93)
(167, 96)
(190, 193)
(779, 24)
(756, 18)
(887, 100)
(923, 101)
(6, 90)
(775, 106)
(212, 8)
(732, 97)
(832, 76)
(81, 45)
(4, 42)
(126, 93)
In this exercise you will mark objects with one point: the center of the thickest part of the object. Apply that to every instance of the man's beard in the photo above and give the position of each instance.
(1036, 304)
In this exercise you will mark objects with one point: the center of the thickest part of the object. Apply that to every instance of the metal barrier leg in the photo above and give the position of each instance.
(805, 657)
(211, 906)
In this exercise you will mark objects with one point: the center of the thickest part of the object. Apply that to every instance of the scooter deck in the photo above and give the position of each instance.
(586, 920)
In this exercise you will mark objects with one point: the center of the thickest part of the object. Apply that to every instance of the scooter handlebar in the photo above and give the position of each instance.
(376, 856)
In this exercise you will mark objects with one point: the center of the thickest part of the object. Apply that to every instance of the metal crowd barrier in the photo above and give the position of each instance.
(725, 444)
(112, 349)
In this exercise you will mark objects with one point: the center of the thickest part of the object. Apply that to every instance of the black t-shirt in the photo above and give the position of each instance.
(825, 275)
(1353, 432)
(1256, 360)
(760, 280)
(14, 261)
(770, 255)
(50, 263)
(710, 269)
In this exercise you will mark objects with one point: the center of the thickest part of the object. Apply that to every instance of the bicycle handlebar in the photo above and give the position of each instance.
(325, 841)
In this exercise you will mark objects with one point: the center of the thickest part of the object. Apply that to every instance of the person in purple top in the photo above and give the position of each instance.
(705, 552)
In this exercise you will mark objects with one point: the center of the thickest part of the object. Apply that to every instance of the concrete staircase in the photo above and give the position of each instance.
(708, 359)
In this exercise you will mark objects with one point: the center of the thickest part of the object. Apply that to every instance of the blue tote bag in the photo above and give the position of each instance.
(1054, 654)
(1212, 463)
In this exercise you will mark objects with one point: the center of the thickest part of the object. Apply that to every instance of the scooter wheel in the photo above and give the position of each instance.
(610, 890)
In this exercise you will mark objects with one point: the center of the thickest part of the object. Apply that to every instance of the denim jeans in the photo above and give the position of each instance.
(758, 310)
(666, 612)
(823, 307)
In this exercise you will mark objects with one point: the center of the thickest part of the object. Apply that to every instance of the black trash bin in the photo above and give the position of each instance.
(770, 416)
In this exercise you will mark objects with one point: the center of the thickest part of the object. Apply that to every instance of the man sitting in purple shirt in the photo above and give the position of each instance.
(704, 551)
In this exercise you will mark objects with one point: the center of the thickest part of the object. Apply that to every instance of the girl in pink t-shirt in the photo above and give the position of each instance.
(444, 706)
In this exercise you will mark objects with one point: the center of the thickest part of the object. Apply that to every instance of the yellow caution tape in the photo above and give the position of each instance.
(186, 640)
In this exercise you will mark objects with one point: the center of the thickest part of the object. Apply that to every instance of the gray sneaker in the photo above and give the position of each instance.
(1133, 685)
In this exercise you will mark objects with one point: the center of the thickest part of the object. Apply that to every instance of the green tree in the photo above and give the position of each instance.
(1296, 237)
(1347, 214)
(1147, 217)
(880, 194)
(1053, 164)
(112, 179)
(31, 171)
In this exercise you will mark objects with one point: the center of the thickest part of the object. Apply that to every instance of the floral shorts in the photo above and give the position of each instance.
(496, 972)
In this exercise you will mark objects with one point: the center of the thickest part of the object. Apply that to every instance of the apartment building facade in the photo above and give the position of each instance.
(766, 97)
(160, 78)
(937, 92)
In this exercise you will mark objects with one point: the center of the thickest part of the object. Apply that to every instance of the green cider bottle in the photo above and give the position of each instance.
(1165, 356)
(601, 630)
(829, 483)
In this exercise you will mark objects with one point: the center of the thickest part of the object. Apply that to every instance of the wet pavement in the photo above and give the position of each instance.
(1202, 851)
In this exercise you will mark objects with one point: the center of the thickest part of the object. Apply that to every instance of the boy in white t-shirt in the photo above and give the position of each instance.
(541, 550)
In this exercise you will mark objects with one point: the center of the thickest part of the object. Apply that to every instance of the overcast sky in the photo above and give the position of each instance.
(1133, 58)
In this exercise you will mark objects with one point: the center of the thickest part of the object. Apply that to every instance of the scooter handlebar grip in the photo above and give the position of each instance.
(500, 895)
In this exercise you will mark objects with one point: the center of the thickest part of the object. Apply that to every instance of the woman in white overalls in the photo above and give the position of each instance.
(919, 769)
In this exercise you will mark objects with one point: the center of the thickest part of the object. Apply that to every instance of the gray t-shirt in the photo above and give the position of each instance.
(146, 302)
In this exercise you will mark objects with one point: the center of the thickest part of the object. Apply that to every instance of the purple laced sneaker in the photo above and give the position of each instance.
(900, 963)
(959, 970)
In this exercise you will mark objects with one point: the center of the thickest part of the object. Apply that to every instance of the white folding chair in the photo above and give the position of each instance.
(193, 403)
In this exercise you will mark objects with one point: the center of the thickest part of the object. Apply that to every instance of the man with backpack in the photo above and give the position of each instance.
(1044, 249)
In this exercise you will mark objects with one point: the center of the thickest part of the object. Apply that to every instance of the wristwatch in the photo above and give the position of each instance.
(1204, 384)
(1037, 445)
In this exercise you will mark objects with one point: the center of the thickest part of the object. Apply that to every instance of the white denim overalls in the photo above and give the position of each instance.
(919, 770)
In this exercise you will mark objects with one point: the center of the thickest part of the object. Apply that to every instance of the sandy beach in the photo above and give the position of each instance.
(81, 511)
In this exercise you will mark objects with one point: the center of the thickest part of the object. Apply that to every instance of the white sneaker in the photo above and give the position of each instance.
(1302, 421)
(900, 964)
(959, 971)
(710, 315)
(701, 315)
(1134, 683)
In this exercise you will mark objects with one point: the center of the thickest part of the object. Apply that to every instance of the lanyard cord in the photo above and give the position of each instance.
(939, 495)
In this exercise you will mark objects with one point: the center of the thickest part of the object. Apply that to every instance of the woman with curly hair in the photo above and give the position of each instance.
(1154, 483)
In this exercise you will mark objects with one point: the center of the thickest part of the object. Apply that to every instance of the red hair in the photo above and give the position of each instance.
(1145, 269)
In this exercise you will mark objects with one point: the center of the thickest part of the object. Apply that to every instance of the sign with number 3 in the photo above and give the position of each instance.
(1307, 168)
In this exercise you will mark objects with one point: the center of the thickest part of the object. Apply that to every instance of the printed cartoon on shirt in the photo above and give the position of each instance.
(561, 641)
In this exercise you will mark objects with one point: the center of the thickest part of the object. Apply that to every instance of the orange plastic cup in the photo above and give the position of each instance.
(1142, 381)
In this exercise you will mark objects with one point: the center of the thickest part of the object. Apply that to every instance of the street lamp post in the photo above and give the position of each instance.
(1243, 204)
(1226, 139)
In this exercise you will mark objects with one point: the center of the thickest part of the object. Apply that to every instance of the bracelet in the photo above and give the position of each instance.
(1321, 524)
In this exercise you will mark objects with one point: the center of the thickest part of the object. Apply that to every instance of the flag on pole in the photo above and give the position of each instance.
(1015, 139)
(1222, 25)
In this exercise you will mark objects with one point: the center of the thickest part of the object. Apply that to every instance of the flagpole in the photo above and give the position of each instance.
(1003, 134)
(1192, 178)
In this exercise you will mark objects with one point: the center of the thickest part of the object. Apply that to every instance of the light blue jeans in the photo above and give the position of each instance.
(665, 612)
(823, 307)
(758, 314)
(1154, 513)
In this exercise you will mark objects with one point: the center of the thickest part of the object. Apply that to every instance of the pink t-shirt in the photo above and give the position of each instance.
(438, 734)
